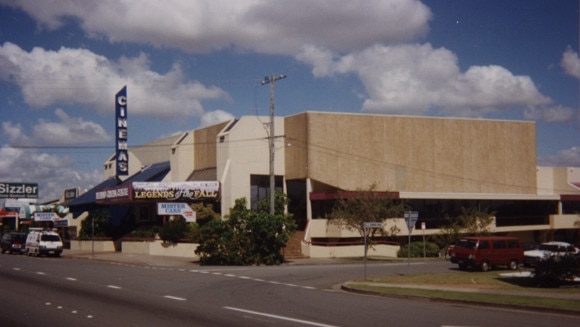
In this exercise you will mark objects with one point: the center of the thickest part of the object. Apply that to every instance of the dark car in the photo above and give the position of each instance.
(13, 242)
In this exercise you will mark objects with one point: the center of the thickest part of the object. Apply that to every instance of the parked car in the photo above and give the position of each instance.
(43, 242)
(546, 250)
(13, 242)
(485, 252)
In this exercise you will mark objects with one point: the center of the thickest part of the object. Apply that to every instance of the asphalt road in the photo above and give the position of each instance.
(77, 292)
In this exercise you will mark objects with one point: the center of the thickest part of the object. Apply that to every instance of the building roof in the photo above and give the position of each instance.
(151, 173)
(89, 196)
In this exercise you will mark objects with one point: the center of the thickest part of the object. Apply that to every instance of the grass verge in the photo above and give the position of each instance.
(491, 288)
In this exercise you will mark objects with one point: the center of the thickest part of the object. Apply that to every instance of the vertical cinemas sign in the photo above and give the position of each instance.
(121, 148)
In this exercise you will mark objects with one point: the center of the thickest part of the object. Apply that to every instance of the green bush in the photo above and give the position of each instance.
(173, 230)
(97, 224)
(145, 232)
(246, 237)
(557, 270)
(431, 250)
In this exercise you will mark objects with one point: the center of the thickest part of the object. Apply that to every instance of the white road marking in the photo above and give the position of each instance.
(263, 314)
(114, 286)
(174, 298)
(72, 279)
(40, 273)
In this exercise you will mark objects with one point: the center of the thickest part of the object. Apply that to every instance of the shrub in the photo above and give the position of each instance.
(557, 270)
(247, 237)
(97, 224)
(173, 230)
(431, 250)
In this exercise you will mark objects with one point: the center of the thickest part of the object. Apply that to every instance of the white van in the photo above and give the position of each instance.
(43, 242)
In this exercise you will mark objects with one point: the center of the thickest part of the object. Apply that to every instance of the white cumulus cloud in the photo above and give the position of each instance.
(264, 26)
(215, 117)
(82, 77)
(571, 63)
(414, 78)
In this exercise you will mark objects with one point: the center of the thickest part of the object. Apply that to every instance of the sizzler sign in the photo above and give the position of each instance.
(121, 147)
(19, 190)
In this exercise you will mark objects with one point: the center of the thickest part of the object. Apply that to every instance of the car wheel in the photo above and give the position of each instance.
(462, 266)
(513, 265)
(485, 266)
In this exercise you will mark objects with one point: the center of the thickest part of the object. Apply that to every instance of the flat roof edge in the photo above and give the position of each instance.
(476, 196)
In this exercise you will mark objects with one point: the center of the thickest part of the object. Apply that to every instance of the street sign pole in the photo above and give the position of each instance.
(411, 219)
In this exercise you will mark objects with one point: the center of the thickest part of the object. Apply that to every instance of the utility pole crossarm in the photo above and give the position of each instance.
(271, 80)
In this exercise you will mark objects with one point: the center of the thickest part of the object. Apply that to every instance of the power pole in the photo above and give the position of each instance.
(272, 80)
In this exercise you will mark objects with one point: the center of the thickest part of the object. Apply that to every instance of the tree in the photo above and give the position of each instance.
(352, 210)
(247, 236)
(472, 221)
(173, 230)
(204, 213)
(101, 226)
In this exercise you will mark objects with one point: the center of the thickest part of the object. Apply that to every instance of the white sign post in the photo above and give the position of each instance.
(411, 219)
(367, 226)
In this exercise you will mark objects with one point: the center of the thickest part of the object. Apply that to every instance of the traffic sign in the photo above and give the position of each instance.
(374, 224)
(411, 219)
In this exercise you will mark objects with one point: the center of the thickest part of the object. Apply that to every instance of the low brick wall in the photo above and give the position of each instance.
(349, 251)
(98, 246)
(157, 247)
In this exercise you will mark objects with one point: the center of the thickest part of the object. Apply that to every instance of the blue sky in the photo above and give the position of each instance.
(189, 64)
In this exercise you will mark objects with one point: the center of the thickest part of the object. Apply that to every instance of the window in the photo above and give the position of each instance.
(499, 244)
(483, 245)
(260, 186)
(513, 244)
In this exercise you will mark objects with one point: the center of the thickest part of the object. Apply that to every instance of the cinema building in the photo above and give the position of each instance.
(436, 165)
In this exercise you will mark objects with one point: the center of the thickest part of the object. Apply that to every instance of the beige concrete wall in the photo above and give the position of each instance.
(412, 154)
(181, 159)
(185, 250)
(97, 246)
(557, 180)
(244, 151)
(205, 151)
(349, 251)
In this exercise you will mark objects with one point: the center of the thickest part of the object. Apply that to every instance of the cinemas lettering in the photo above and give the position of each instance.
(121, 147)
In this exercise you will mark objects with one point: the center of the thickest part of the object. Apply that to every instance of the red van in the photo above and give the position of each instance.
(485, 252)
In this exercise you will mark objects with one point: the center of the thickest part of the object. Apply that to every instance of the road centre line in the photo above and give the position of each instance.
(263, 314)
(72, 279)
(114, 287)
(215, 273)
(174, 298)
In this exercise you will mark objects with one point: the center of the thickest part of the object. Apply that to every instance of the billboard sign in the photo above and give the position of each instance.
(71, 193)
(19, 190)
(45, 216)
(176, 208)
(176, 190)
(121, 147)
(115, 194)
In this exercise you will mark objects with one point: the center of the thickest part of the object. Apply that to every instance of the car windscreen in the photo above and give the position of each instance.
(548, 247)
(468, 244)
(50, 238)
(19, 237)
